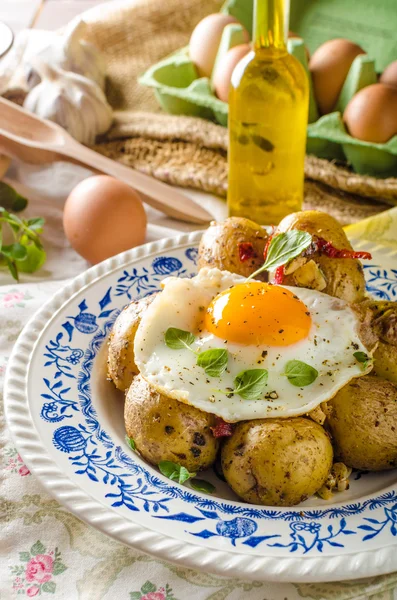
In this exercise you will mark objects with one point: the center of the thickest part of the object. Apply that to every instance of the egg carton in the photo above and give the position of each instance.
(179, 90)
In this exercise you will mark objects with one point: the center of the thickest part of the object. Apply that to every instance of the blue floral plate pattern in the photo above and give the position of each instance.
(67, 421)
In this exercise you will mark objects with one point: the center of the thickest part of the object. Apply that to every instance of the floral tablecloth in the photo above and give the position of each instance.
(45, 551)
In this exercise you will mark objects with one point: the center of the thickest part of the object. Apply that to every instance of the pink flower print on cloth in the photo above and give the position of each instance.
(149, 591)
(14, 298)
(35, 574)
(15, 463)
(39, 568)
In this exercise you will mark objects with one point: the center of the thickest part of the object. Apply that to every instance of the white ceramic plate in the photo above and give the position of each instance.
(67, 422)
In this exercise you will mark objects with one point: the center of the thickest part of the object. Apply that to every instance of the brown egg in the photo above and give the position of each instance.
(389, 75)
(329, 67)
(103, 217)
(205, 40)
(371, 114)
(225, 68)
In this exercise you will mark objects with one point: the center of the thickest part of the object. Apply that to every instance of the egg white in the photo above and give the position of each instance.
(329, 348)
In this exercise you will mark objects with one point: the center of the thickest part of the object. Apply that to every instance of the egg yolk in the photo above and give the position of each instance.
(258, 313)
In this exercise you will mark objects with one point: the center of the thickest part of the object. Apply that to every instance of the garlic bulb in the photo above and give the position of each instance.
(71, 52)
(73, 101)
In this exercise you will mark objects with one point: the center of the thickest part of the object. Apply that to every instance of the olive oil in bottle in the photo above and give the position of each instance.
(268, 111)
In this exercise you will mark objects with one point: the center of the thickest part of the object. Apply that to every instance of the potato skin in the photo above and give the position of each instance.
(344, 276)
(384, 325)
(121, 365)
(277, 462)
(362, 419)
(165, 429)
(219, 246)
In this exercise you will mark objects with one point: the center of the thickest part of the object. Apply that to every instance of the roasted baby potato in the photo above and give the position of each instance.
(339, 277)
(277, 462)
(384, 325)
(121, 365)
(165, 429)
(219, 246)
(362, 419)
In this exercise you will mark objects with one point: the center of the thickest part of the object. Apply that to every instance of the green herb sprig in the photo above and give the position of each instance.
(174, 471)
(363, 359)
(249, 385)
(131, 442)
(283, 248)
(214, 362)
(299, 373)
(26, 253)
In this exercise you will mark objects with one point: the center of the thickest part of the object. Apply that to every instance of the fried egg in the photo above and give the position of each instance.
(262, 326)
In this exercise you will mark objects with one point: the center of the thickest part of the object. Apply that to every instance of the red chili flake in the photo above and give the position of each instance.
(329, 250)
(269, 240)
(246, 251)
(279, 275)
(222, 429)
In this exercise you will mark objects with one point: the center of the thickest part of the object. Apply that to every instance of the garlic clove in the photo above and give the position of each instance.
(71, 100)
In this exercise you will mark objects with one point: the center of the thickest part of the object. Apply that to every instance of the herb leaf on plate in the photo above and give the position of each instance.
(362, 358)
(300, 373)
(131, 442)
(201, 485)
(283, 248)
(174, 471)
(178, 338)
(214, 362)
(251, 384)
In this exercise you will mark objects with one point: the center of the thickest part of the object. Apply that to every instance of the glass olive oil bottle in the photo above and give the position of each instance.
(268, 111)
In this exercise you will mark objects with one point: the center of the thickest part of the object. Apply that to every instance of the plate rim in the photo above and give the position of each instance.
(105, 519)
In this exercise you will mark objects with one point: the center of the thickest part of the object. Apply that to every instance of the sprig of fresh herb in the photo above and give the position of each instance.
(131, 442)
(363, 359)
(176, 339)
(283, 248)
(26, 253)
(10, 199)
(174, 471)
(299, 373)
(250, 384)
(201, 485)
(214, 361)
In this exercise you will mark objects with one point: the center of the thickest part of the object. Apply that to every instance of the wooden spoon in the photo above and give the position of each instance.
(25, 136)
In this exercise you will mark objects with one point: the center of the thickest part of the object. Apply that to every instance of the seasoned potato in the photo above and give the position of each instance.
(362, 418)
(121, 363)
(165, 429)
(219, 246)
(339, 277)
(384, 325)
(278, 462)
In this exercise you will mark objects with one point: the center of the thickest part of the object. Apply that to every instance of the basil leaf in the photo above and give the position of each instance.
(18, 252)
(10, 199)
(362, 358)
(202, 486)
(11, 266)
(299, 373)
(174, 471)
(177, 338)
(250, 384)
(130, 441)
(34, 260)
(286, 246)
(214, 362)
(36, 224)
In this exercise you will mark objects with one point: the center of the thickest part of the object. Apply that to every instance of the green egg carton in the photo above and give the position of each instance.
(180, 91)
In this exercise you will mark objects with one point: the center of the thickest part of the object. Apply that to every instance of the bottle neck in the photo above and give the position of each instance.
(269, 24)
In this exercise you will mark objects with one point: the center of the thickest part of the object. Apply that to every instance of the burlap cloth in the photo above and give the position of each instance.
(187, 151)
